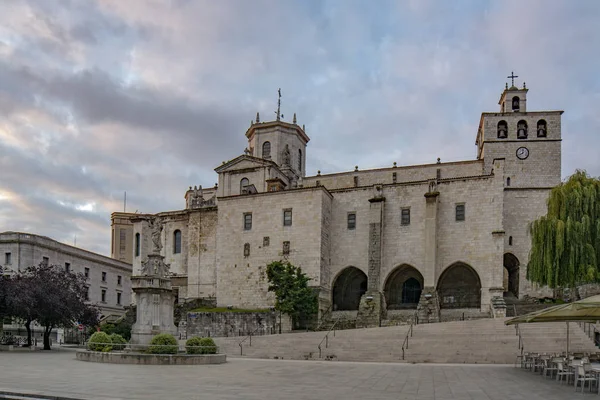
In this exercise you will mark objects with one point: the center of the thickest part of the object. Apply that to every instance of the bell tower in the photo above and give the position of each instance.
(513, 99)
(281, 142)
(529, 141)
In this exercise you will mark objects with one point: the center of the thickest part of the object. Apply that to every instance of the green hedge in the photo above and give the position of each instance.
(198, 345)
(164, 343)
(118, 342)
(100, 341)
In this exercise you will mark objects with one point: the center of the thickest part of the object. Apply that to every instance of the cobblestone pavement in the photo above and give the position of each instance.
(58, 373)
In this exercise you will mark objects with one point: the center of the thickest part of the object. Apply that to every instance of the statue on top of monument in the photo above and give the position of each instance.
(286, 156)
(156, 228)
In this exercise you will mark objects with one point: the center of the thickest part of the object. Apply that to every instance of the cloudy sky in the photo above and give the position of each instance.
(149, 96)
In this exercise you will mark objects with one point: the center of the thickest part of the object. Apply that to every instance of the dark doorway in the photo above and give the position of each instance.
(411, 291)
(459, 287)
(403, 288)
(511, 264)
(348, 288)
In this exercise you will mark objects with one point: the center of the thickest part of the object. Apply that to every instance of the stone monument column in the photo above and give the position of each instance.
(153, 293)
(372, 304)
(428, 308)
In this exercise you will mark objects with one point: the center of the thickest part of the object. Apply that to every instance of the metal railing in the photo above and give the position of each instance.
(415, 321)
(323, 320)
(241, 344)
(326, 337)
(591, 331)
(520, 345)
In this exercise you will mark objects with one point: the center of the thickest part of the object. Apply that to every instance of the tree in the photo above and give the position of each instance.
(292, 294)
(59, 299)
(21, 301)
(5, 282)
(565, 243)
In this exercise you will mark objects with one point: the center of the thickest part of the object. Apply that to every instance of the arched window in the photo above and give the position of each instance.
(177, 242)
(299, 160)
(137, 244)
(266, 153)
(510, 240)
(522, 129)
(507, 181)
(502, 130)
(515, 103)
(541, 128)
(243, 185)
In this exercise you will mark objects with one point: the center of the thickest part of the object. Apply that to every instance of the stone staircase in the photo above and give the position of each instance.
(366, 344)
(522, 307)
(489, 341)
(484, 341)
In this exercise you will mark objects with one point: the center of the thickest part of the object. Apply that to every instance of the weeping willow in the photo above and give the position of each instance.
(565, 243)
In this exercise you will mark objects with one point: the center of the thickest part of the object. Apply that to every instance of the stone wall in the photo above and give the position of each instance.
(241, 277)
(227, 324)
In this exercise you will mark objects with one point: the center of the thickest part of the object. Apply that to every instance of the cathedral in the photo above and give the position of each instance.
(439, 238)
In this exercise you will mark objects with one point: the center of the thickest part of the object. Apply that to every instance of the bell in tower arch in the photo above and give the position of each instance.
(515, 103)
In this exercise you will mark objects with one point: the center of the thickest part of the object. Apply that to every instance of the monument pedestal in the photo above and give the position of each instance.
(371, 310)
(154, 299)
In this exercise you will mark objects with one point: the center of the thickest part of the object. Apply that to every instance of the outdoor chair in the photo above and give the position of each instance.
(585, 374)
(551, 367)
(562, 371)
(538, 363)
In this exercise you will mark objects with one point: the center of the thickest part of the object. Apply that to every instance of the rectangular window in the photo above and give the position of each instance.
(87, 294)
(86, 272)
(104, 295)
(266, 241)
(118, 279)
(7, 258)
(137, 244)
(287, 217)
(104, 277)
(247, 221)
(67, 267)
(45, 260)
(118, 298)
(405, 216)
(394, 177)
(351, 220)
(286, 248)
(122, 242)
(460, 212)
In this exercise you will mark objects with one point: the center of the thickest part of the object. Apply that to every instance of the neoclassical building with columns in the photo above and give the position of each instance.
(440, 237)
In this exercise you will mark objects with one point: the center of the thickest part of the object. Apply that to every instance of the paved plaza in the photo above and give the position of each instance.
(57, 373)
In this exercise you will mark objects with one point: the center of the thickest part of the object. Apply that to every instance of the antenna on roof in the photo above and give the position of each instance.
(125, 202)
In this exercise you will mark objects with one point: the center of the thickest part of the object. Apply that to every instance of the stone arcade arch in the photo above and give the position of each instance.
(348, 288)
(403, 288)
(459, 286)
(511, 267)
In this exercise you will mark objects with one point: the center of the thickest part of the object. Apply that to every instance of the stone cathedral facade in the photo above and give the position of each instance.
(438, 237)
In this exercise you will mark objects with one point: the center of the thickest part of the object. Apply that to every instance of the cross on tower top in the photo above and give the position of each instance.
(278, 112)
(512, 76)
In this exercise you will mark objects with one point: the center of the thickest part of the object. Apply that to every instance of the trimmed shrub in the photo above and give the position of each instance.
(98, 341)
(118, 342)
(192, 346)
(164, 343)
(208, 346)
(107, 349)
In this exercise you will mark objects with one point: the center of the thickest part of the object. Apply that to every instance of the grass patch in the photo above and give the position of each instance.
(226, 310)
